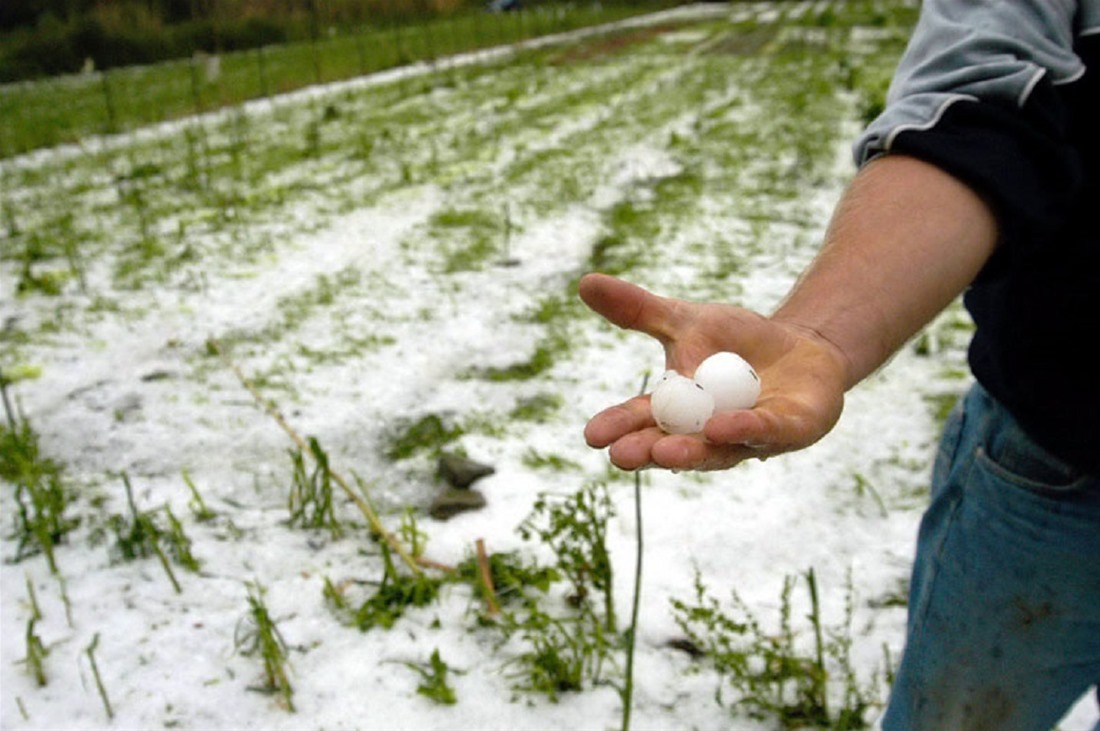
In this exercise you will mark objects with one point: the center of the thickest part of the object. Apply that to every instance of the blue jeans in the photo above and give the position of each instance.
(1004, 605)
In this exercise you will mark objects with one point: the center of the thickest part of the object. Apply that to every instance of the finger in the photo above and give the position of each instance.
(741, 427)
(689, 452)
(627, 305)
(633, 451)
(654, 448)
(775, 425)
(616, 422)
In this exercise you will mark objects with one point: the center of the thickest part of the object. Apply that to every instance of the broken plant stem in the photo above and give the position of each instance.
(90, 652)
(493, 607)
(269, 643)
(360, 502)
(36, 651)
(144, 527)
(8, 410)
(628, 681)
(819, 674)
(430, 564)
(65, 601)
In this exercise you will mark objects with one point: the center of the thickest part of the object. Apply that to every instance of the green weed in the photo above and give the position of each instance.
(468, 238)
(626, 691)
(414, 538)
(35, 659)
(35, 280)
(539, 460)
(575, 528)
(434, 685)
(311, 494)
(561, 652)
(428, 434)
(512, 577)
(769, 673)
(546, 354)
(258, 634)
(605, 255)
(537, 408)
(941, 405)
(865, 487)
(41, 495)
(198, 507)
(141, 535)
(89, 652)
(395, 593)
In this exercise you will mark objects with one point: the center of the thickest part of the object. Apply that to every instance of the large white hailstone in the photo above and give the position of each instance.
(730, 380)
(680, 405)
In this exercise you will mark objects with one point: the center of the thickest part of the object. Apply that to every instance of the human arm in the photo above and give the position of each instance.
(981, 97)
(905, 240)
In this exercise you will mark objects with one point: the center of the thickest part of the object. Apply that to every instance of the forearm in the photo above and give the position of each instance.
(905, 240)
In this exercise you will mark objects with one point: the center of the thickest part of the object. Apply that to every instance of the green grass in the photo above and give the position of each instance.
(67, 109)
(42, 495)
(215, 189)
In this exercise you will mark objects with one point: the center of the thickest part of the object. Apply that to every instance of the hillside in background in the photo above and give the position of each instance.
(40, 38)
(65, 109)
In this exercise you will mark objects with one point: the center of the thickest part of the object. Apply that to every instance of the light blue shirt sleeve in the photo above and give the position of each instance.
(978, 50)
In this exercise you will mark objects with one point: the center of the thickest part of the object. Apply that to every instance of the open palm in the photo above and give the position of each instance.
(803, 379)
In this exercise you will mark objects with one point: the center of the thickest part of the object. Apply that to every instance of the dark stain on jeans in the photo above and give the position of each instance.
(1030, 614)
(991, 708)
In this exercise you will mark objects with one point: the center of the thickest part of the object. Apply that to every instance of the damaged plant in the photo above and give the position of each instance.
(142, 535)
(311, 500)
(565, 650)
(259, 635)
(41, 496)
(773, 674)
(394, 594)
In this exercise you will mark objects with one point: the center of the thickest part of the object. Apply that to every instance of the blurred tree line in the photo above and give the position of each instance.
(48, 37)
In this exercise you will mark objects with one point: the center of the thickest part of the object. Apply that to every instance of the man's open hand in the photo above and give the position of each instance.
(803, 379)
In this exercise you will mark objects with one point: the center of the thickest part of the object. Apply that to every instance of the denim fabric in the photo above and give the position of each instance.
(1004, 606)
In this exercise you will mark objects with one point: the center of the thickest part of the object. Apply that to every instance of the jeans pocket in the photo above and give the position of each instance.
(1015, 458)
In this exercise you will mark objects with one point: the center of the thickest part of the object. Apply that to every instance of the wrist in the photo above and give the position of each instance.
(817, 336)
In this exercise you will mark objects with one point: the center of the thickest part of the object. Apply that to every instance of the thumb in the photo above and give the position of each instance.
(627, 305)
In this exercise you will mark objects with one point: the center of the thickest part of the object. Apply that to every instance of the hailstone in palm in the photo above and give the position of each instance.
(723, 382)
(730, 380)
(680, 405)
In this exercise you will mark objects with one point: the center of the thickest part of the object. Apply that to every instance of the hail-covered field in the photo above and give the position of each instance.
(391, 264)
